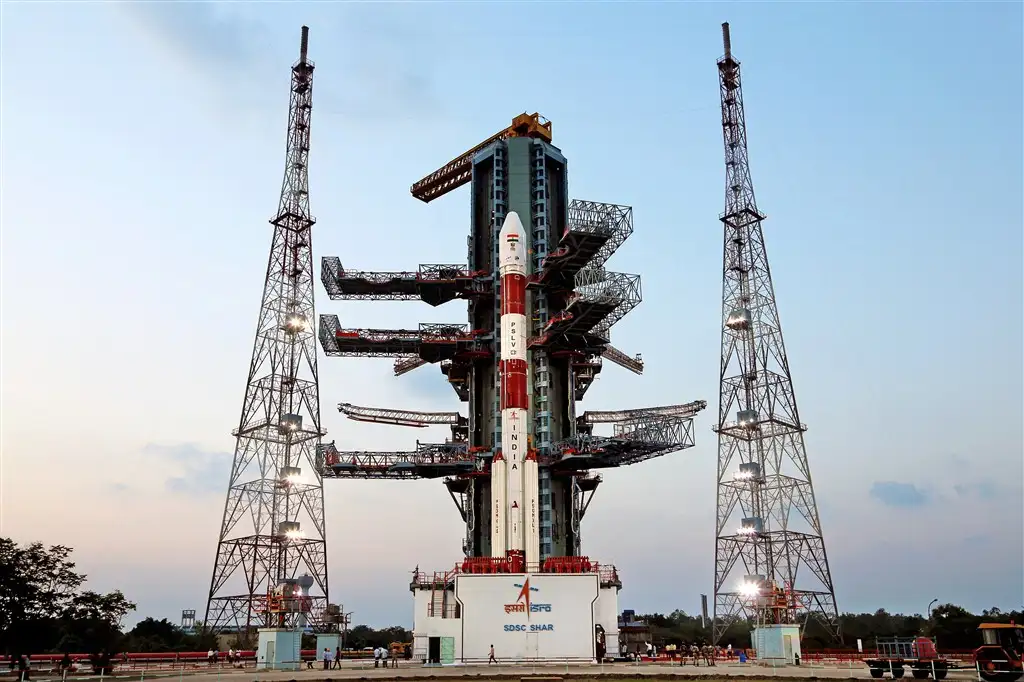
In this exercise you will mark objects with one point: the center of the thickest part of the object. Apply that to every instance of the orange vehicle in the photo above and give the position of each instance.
(1001, 652)
(398, 648)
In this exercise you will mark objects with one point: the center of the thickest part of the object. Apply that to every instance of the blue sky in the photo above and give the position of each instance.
(142, 154)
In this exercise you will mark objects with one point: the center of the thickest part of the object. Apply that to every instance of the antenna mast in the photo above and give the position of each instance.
(763, 474)
(271, 565)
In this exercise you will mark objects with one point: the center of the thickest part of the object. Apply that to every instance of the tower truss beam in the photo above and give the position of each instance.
(621, 416)
(633, 441)
(770, 560)
(459, 424)
(599, 286)
(400, 417)
(459, 171)
(634, 364)
(434, 283)
(431, 342)
(428, 460)
(601, 299)
(594, 232)
(643, 435)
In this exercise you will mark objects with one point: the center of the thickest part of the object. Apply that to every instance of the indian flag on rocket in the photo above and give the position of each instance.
(512, 238)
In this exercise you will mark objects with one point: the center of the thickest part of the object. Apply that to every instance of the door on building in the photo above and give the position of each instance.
(447, 650)
(532, 646)
(434, 650)
(787, 647)
(271, 660)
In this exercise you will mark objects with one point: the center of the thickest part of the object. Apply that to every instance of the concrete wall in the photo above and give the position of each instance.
(606, 614)
(558, 626)
(425, 626)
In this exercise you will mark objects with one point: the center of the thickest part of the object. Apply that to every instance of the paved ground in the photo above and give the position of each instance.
(514, 673)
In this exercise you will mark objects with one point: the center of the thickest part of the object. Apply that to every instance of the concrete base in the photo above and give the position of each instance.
(776, 644)
(525, 617)
(331, 641)
(279, 649)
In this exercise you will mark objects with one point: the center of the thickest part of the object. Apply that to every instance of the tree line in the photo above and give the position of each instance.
(45, 608)
(953, 627)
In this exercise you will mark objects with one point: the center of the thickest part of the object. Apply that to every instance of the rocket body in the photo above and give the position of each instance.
(513, 500)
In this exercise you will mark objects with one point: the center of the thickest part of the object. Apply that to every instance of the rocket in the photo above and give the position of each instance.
(514, 476)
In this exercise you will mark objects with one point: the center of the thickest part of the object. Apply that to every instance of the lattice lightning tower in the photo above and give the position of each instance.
(273, 527)
(763, 475)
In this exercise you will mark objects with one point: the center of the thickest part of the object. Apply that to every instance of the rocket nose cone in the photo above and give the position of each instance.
(512, 223)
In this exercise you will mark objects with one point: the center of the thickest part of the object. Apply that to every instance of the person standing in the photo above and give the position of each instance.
(491, 658)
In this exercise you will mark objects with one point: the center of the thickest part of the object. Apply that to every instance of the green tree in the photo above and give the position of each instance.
(152, 635)
(42, 607)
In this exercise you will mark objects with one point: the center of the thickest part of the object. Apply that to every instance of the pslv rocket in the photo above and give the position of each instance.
(514, 477)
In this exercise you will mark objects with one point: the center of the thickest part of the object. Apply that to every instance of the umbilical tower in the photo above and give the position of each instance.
(567, 300)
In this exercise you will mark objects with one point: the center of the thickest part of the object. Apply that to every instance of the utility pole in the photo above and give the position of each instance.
(272, 537)
(763, 474)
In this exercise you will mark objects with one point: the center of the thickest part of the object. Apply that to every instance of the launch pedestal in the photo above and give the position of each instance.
(526, 617)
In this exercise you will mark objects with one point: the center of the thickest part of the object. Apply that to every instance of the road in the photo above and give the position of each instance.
(515, 673)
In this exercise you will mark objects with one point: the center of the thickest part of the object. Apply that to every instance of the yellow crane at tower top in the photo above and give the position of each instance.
(459, 171)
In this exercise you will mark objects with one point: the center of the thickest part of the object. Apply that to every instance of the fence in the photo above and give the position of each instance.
(189, 661)
(173, 664)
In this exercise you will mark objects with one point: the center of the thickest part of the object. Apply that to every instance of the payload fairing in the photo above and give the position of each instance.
(514, 475)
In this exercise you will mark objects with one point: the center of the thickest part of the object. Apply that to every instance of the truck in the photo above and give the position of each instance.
(999, 658)
(894, 654)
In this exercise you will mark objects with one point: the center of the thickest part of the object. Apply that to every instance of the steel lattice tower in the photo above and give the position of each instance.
(763, 475)
(273, 527)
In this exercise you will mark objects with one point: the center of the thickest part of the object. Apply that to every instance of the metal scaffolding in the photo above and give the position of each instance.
(763, 472)
(574, 302)
(273, 526)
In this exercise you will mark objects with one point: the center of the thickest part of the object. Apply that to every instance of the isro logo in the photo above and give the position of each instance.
(523, 602)
(525, 605)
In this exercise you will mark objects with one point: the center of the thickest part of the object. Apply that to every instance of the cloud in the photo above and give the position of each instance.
(385, 77)
(895, 494)
(982, 489)
(197, 32)
(977, 541)
(201, 472)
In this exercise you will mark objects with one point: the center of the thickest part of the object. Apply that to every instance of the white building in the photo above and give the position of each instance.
(526, 617)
